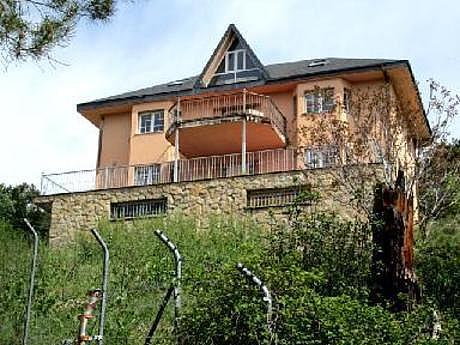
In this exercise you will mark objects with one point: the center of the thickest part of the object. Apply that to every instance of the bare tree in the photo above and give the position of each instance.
(373, 127)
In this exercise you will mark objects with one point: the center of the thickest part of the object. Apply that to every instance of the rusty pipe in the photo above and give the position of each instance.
(94, 296)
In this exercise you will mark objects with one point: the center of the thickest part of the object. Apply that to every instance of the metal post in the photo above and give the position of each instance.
(105, 281)
(243, 135)
(176, 143)
(106, 177)
(148, 339)
(267, 296)
(33, 266)
(178, 270)
(41, 183)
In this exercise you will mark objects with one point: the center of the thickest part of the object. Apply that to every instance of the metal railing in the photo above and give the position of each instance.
(211, 167)
(243, 103)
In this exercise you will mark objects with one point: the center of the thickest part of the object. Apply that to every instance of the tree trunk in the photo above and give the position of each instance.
(394, 280)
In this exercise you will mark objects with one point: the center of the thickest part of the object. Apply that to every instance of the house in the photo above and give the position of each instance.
(235, 137)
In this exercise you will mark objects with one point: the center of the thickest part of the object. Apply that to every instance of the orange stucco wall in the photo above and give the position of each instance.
(150, 147)
(285, 103)
(123, 145)
(115, 141)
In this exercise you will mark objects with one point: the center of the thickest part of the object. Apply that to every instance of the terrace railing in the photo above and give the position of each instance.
(211, 167)
(242, 103)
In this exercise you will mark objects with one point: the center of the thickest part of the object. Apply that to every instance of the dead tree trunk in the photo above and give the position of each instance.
(393, 276)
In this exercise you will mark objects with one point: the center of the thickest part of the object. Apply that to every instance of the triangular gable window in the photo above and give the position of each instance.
(232, 61)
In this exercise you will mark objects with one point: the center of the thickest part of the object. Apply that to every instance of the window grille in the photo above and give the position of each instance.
(260, 198)
(138, 208)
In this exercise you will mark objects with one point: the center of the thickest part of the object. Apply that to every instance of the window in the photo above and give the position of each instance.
(151, 121)
(146, 175)
(321, 157)
(138, 208)
(347, 100)
(235, 61)
(318, 101)
(260, 198)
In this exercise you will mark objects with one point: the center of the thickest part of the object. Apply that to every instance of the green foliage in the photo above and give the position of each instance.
(16, 204)
(30, 29)
(319, 290)
(438, 264)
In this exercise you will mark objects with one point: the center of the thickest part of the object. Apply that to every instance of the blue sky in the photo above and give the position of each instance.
(150, 42)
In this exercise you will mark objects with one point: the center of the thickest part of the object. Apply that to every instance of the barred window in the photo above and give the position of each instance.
(146, 175)
(321, 157)
(259, 198)
(138, 208)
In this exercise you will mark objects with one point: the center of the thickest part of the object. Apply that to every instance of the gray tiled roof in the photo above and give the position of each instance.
(287, 70)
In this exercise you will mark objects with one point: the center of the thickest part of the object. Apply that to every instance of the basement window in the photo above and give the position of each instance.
(151, 121)
(138, 209)
(260, 198)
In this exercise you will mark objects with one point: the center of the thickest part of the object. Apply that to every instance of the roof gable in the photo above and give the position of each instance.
(231, 40)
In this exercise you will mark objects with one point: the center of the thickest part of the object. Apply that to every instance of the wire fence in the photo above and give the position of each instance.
(141, 272)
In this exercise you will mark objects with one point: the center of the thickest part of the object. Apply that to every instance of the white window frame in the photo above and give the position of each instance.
(156, 126)
(317, 98)
(235, 60)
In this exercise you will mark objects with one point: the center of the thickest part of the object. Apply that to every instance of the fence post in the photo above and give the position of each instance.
(178, 270)
(267, 296)
(105, 281)
(33, 266)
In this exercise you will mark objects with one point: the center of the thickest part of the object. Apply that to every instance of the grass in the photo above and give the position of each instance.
(141, 269)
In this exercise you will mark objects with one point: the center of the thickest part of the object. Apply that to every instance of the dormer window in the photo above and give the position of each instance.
(235, 61)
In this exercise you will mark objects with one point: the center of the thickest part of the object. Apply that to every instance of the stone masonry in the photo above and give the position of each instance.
(74, 212)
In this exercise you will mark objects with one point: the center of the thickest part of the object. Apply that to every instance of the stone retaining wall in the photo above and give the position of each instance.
(75, 212)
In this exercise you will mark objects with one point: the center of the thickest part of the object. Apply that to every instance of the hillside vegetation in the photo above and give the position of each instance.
(317, 271)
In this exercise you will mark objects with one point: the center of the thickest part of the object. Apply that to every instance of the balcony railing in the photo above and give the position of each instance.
(244, 103)
(212, 167)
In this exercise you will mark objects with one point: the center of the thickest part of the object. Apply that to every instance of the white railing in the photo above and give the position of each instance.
(227, 105)
(211, 167)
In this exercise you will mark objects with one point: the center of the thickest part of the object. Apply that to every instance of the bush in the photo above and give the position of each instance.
(438, 265)
(316, 272)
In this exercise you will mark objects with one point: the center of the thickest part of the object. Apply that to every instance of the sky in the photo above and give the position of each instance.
(156, 41)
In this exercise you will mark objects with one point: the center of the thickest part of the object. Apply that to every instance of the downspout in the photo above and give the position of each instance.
(99, 147)
(176, 143)
(243, 135)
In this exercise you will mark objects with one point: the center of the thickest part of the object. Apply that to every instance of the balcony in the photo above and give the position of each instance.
(202, 168)
(222, 124)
